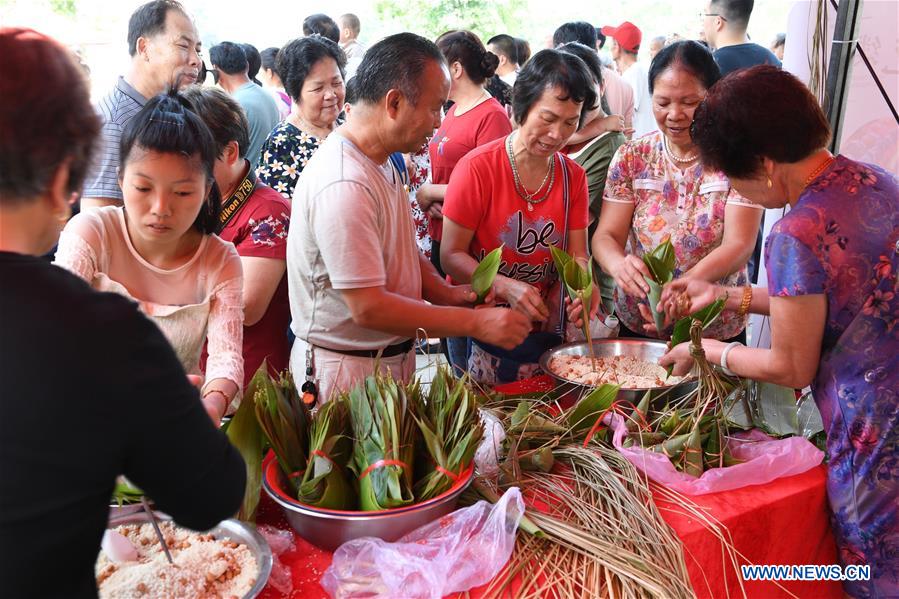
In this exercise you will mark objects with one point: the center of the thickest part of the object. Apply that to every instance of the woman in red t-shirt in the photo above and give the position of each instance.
(522, 193)
(474, 119)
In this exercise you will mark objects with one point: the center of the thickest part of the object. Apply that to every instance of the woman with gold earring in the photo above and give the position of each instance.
(832, 297)
(659, 189)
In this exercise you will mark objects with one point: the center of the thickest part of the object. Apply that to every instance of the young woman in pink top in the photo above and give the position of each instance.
(160, 249)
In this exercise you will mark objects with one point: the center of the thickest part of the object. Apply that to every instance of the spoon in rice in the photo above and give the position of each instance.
(152, 518)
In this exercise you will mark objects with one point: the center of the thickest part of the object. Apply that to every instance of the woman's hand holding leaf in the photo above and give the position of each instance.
(522, 297)
(685, 296)
(575, 308)
(629, 275)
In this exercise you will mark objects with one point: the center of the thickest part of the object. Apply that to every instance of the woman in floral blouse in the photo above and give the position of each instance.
(312, 70)
(658, 189)
(833, 297)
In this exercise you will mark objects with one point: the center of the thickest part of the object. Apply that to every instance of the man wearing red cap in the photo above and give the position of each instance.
(626, 40)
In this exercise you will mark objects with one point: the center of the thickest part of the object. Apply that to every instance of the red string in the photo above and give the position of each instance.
(382, 464)
(453, 477)
(322, 454)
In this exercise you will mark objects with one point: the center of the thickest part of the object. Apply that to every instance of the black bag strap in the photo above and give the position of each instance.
(566, 202)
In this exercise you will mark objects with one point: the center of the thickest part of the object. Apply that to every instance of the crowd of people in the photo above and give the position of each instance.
(322, 205)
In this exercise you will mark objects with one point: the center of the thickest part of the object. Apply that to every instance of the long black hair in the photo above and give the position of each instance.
(168, 124)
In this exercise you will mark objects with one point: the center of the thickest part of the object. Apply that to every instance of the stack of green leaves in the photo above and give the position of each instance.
(692, 430)
(451, 430)
(384, 429)
(325, 483)
(660, 263)
(483, 276)
(284, 419)
(578, 281)
(245, 434)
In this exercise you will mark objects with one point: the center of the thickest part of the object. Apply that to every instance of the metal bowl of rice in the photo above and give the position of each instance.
(647, 351)
(228, 530)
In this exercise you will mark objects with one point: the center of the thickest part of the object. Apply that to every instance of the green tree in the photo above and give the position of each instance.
(433, 17)
(64, 7)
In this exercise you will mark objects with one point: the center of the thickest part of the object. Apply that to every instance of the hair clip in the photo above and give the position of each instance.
(167, 117)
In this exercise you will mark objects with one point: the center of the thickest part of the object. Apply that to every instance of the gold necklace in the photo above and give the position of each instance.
(821, 168)
(520, 189)
(484, 96)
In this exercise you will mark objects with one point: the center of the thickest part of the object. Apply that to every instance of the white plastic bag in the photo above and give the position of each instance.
(601, 327)
(456, 553)
(490, 450)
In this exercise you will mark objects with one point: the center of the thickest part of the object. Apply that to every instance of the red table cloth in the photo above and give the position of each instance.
(783, 522)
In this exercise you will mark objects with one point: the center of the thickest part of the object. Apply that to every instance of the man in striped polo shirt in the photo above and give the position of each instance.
(164, 47)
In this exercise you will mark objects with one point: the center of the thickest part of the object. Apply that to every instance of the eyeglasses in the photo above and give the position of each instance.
(703, 15)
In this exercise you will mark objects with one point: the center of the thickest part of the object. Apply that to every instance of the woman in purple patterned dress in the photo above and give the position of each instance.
(833, 297)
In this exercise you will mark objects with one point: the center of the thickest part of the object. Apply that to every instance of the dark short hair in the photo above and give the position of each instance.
(229, 58)
(588, 55)
(505, 45)
(524, 50)
(351, 92)
(297, 58)
(323, 25)
(254, 61)
(167, 124)
(691, 56)
(466, 48)
(736, 12)
(737, 125)
(550, 69)
(396, 62)
(575, 31)
(351, 21)
(223, 115)
(47, 116)
(780, 39)
(600, 37)
(149, 20)
(268, 57)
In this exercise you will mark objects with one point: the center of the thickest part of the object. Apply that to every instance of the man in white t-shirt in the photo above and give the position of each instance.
(357, 282)
(626, 40)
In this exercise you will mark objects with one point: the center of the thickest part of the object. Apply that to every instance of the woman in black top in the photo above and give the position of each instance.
(91, 388)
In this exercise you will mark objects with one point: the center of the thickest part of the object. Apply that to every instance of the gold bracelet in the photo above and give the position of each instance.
(747, 300)
(212, 390)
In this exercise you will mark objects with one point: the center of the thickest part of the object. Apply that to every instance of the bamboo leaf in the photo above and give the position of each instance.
(584, 414)
(483, 276)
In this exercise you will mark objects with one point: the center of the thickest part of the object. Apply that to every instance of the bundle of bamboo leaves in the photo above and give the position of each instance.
(450, 431)
(383, 444)
(691, 431)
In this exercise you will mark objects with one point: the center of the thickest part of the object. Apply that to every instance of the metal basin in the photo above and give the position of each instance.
(329, 529)
(235, 530)
(644, 349)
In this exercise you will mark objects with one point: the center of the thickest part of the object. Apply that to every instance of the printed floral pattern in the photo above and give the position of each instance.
(285, 154)
(419, 165)
(841, 240)
(686, 207)
(270, 230)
